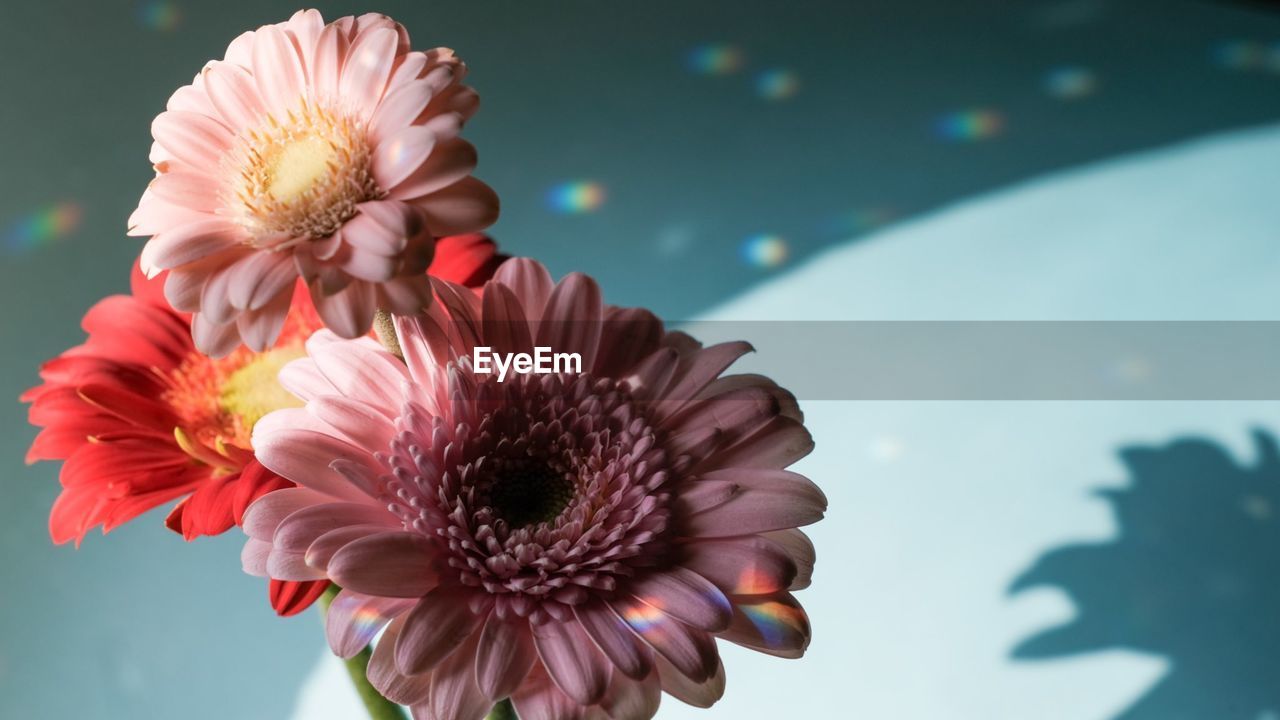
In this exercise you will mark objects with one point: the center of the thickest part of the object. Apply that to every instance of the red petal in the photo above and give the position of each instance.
(466, 259)
(290, 598)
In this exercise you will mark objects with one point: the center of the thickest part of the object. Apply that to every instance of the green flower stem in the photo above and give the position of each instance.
(379, 707)
(503, 711)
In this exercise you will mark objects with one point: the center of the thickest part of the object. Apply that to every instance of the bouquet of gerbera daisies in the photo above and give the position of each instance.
(300, 357)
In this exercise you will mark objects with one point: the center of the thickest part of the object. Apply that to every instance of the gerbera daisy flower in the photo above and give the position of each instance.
(574, 542)
(142, 418)
(330, 152)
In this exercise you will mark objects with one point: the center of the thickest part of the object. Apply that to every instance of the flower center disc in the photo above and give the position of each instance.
(298, 166)
(529, 493)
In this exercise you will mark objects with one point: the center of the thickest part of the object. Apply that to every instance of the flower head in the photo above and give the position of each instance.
(329, 152)
(142, 418)
(576, 542)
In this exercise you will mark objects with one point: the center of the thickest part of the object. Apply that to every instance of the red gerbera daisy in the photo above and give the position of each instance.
(141, 417)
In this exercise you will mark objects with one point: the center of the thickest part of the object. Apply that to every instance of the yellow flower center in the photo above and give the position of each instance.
(300, 178)
(253, 391)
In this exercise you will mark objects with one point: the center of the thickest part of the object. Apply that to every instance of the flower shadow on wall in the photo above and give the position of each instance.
(1194, 575)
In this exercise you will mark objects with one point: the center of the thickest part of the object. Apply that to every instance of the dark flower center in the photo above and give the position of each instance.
(527, 491)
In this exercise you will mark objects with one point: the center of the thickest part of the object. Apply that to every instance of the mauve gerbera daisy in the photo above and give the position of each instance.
(330, 152)
(574, 542)
(141, 417)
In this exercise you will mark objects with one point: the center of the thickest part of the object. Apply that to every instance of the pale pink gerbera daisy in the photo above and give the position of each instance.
(576, 542)
(326, 151)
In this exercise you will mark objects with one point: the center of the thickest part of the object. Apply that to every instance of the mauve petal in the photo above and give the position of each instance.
(348, 312)
(572, 660)
(442, 165)
(689, 649)
(439, 623)
(750, 565)
(383, 227)
(627, 336)
(355, 618)
(189, 242)
(698, 694)
(387, 678)
(267, 512)
(400, 108)
(298, 530)
(685, 596)
(542, 700)
(193, 138)
(253, 556)
(260, 279)
(773, 624)
(629, 699)
(320, 552)
(406, 295)
(800, 548)
(702, 367)
(367, 67)
(762, 500)
(400, 154)
(571, 321)
(530, 282)
(615, 639)
(277, 69)
(466, 206)
(736, 413)
(357, 421)
(369, 267)
(504, 326)
(391, 564)
(454, 693)
(283, 565)
(781, 442)
(504, 656)
(188, 189)
(305, 456)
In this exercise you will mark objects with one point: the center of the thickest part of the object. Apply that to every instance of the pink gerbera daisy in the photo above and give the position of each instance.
(329, 152)
(574, 542)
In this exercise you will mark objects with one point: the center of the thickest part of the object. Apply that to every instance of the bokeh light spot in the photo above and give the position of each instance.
(159, 15)
(1070, 82)
(764, 251)
(777, 85)
(576, 197)
(715, 59)
(967, 126)
(42, 227)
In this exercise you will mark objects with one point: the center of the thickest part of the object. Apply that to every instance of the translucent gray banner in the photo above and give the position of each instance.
(1051, 360)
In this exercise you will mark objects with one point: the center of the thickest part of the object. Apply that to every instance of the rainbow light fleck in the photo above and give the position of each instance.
(644, 617)
(715, 59)
(366, 620)
(775, 621)
(764, 251)
(158, 15)
(42, 227)
(1243, 55)
(971, 125)
(576, 197)
(777, 85)
(1070, 82)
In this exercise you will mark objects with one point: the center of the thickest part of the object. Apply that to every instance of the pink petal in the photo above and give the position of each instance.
(466, 206)
(187, 188)
(305, 456)
(454, 692)
(615, 639)
(448, 162)
(400, 154)
(685, 596)
(504, 656)
(628, 698)
(383, 227)
(544, 701)
(234, 95)
(298, 530)
(277, 69)
(750, 565)
(572, 660)
(305, 26)
(213, 339)
(369, 267)
(781, 442)
(192, 138)
(260, 328)
(253, 556)
(190, 242)
(282, 565)
(392, 564)
(504, 327)
(406, 295)
(439, 623)
(367, 67)
(359, 422)
(399, 108)
(260, 279)
(355, 618)
(530, 282)
(326, 67)
(267, 512)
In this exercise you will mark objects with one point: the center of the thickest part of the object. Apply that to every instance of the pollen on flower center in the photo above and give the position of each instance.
(301, 177)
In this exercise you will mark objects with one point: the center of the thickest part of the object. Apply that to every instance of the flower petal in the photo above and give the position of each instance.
(391, 564)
